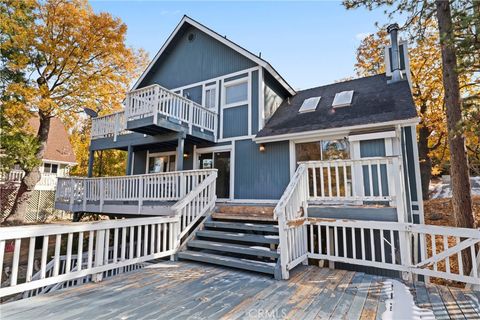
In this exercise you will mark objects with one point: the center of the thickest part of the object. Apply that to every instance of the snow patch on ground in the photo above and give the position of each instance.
(401, 304)
(443, 189)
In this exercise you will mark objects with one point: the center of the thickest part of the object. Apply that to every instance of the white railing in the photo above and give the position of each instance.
(133, 241)
(291, 209)
(154, 100)
(111, 125)
(168, 186)
(196, 203)
(366, 179)
(48, 181)
(390, 245)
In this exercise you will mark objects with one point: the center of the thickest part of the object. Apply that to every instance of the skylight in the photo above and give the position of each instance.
(343, 99)
(309, 104)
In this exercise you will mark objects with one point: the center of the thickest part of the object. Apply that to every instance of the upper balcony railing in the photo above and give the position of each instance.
(154, 101)
(48, 181)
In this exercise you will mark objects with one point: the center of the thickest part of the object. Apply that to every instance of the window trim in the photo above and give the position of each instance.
(160, 154)
(231, 83)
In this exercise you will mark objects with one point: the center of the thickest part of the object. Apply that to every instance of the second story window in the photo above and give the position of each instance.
(211, 98)
(236, 93)
(50, 168)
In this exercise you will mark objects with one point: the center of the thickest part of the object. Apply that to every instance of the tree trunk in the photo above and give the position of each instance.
(461, 192)
(425, 160)
(27, 185)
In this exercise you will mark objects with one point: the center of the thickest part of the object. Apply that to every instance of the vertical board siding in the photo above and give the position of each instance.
(404, 151)
(235, 121)
(254, 102)
(374, 148)
(261, 175)
(410, 163)
(186, 62)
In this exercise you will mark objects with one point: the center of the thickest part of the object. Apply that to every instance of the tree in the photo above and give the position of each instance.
(72, 58)
(417, 13)
(427, 91)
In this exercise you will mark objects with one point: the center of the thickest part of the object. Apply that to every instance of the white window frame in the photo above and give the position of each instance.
(226, 148)
(231, 83)
(204, 96)
(160, 154)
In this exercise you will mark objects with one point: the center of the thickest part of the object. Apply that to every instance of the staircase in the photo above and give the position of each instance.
(242, 243)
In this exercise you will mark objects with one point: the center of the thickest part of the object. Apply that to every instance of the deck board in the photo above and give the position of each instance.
(189, 290)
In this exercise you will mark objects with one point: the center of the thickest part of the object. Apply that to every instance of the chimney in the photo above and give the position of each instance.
(396, 73)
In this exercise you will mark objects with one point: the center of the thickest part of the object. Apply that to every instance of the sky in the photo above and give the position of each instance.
(308, 43)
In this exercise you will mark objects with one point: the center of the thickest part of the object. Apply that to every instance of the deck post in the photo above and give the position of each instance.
(180, 150)
(91, 158)
(129, 160)
(99, 253)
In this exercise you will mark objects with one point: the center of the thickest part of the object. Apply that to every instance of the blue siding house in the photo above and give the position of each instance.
(220, 106)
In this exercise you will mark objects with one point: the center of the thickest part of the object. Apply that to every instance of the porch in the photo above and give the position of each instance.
(180, 290)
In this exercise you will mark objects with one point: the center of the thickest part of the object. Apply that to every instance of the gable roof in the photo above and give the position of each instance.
(374, 102)
(187, 20)
(58, 146)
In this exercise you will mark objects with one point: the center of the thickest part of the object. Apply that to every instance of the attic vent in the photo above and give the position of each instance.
(343, 99)
(309, 104)
(191, 37)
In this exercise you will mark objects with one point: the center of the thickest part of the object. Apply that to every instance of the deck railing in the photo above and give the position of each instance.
(387, 245)
(133, 241)
(168, 186)
(366, 179)
(48, 181)
(111, 125)
(154, 100)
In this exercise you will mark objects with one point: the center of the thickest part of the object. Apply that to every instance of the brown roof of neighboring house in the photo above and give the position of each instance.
(58, 144)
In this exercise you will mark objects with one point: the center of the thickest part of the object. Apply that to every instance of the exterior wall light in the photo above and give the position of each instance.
(262, 147)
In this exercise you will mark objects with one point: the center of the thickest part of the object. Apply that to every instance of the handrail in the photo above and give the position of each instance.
(193, 206)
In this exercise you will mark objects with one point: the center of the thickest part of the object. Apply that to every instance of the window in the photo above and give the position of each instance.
(343, 99)
(236, 93)
(309, 104)
(322, 150)
(211, 98)
(50, 168)
(161, 164)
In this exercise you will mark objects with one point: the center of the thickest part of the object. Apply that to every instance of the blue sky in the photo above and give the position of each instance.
(309, 43)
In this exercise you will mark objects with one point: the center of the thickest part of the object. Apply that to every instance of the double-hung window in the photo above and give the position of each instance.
(211, 98)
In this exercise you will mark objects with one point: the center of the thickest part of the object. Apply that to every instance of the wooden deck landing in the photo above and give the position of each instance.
(179, 290)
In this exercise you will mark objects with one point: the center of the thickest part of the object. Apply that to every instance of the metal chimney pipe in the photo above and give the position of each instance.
(395, 57)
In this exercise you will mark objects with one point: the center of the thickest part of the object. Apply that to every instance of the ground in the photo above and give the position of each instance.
(188, 290)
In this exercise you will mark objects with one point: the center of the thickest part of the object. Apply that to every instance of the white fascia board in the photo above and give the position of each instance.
(223, 40)
(309, 134)
(374, 135)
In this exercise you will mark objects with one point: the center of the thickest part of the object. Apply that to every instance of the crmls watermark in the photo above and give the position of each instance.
(264, 314)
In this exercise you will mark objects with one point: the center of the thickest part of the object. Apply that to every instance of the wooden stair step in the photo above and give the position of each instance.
(243, 216)
(242, 226)
(251, 265)
(273, 239)
(234, 248)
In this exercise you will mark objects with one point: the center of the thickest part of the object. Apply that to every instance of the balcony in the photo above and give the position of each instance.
(154, 110)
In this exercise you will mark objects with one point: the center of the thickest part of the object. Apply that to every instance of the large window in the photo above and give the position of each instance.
(164, 163)
(322, 150)
(236, 93)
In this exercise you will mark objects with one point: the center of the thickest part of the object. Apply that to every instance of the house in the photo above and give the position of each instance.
(57, 160)
(341, 151)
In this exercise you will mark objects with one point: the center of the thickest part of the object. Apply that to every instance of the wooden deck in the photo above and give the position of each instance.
(180, 290)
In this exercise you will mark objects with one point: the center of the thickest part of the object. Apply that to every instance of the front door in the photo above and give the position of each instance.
(221, 162)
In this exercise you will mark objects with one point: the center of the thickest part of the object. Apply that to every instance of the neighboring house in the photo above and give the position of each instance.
(57, 161)
(342, 151)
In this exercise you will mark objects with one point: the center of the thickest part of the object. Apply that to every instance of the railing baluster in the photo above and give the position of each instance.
(56, 264)
(31, 254)
(68, 262)
(15, 263)
(80, 251)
